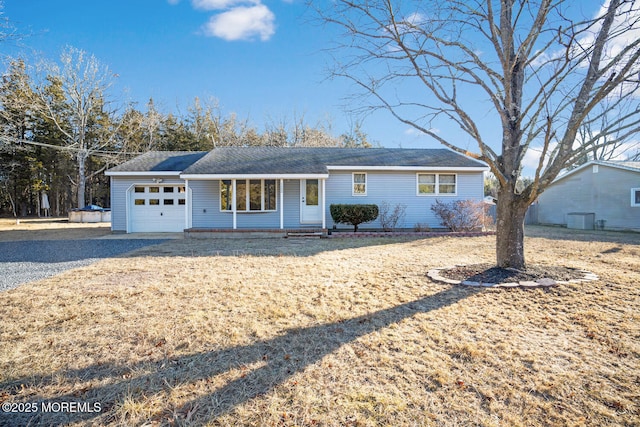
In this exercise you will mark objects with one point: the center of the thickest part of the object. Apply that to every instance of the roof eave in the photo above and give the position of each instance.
(413, 168)
(142, 173)
(208, 176)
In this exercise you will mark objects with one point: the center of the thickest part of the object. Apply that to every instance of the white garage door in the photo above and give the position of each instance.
(157, 208)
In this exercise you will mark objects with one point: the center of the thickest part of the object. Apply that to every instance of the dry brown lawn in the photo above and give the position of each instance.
(50, 229)
(334, 332)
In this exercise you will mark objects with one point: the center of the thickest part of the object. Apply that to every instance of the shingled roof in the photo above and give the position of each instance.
(306, 160)
(160, 161)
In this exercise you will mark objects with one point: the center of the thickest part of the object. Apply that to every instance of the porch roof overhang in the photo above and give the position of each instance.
(143, 173)
(255, 176)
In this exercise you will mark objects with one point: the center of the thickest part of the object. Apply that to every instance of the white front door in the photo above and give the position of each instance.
(310, 201)
(156, 208)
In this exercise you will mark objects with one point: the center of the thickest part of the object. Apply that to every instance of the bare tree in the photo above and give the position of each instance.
(541, 72)
(72, 97)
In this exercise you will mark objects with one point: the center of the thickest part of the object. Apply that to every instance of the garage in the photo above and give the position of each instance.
(157, 208)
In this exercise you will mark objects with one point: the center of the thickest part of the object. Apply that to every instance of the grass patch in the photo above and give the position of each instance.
(12, 229)
(328, 332)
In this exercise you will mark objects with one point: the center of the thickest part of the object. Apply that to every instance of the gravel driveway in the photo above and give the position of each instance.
(26, 261)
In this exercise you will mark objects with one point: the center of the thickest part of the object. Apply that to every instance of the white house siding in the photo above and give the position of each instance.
(399, 187)
(119, 187)
(606, 193)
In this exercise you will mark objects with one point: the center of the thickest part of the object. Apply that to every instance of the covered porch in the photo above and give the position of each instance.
(277, 204)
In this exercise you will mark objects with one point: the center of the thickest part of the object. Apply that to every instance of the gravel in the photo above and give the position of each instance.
(27, 261)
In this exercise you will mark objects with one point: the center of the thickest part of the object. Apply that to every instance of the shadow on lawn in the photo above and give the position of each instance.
(278, 359)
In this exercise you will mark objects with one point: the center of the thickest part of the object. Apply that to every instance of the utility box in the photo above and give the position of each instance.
(581, 220)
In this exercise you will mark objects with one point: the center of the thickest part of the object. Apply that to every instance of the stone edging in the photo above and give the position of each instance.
(434, 274)
(352, 234)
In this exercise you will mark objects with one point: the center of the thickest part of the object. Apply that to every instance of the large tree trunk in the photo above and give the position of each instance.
(511, 211)
(82, 179)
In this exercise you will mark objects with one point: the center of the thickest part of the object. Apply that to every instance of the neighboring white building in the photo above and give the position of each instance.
(608, 190)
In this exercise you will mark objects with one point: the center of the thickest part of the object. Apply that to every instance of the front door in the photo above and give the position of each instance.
(310, 201)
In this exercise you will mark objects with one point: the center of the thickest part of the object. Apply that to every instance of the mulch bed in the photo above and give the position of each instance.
(489, 273)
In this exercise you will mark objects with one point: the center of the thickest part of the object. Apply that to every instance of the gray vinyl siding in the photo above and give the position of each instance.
(392, 187)
(606, 193)
(206, 208)
(119, 187)
(395, 188)
(291, 203)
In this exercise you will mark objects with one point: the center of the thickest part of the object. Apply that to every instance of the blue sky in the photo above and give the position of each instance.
(261, 59)
(175, 50)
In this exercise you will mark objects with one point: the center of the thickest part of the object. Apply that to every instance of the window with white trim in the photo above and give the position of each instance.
(252, 195)
(436, 183)
(635, 197)
(359, 181)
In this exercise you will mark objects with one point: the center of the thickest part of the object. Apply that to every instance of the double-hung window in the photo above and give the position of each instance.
(635, 197)
(359, 181)
(436, 184)
(252, 195)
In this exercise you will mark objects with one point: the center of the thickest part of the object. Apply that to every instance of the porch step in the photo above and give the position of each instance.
(318, 234)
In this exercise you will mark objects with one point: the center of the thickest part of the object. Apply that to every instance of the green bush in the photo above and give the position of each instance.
(353, 214)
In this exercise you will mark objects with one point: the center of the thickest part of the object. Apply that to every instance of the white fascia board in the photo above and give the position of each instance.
(410, 168)
(255, 176)
(157, 173)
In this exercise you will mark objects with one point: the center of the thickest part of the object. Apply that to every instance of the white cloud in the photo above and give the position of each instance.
(241, 23)
(221, 4)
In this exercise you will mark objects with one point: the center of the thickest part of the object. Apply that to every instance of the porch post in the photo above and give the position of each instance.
(187, 205)
(235, 197)
(324, 211)
(281, 203)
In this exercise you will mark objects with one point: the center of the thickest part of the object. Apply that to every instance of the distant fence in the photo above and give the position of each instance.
(530, 218)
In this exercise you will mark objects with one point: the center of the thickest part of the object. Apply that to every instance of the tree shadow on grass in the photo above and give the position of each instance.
(277, 359)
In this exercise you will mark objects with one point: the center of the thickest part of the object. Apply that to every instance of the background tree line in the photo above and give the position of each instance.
(61, 128)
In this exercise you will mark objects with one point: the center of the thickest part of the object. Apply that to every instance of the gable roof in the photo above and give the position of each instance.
(157, 162)
(630, 166)
(236, 161)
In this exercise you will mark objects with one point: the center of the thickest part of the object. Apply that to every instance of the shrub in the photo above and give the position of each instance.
(391, 217)
(421, 227)
(460, 215)
(353, 214)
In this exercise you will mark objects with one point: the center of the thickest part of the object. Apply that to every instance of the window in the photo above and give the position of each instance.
(426, 183)
(255, 195)
(270, 195)
(359, 184)
(154, 189)
(635, 197)
(241, 195)
(433, 184)
(167, 189)
(139, 202)
(154, 202)
(252, 195)
(447, 184)
(168, 201)
(139, 189)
